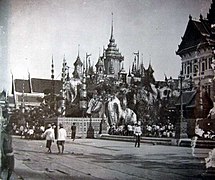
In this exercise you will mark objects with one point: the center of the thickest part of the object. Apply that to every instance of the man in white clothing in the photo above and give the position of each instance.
(49, 135)
(137, 133)
(61, 138)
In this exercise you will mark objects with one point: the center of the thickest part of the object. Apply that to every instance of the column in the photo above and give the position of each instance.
(181, 125)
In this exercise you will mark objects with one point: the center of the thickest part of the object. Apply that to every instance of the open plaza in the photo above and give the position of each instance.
(105, 121)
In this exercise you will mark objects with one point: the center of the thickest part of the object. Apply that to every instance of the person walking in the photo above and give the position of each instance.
(137, 133)
(50, 136)
(73, 128)
(61, 138)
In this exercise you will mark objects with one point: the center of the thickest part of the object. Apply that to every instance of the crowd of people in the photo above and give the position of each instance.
(28, 131)
(160, 130)
(154, 130)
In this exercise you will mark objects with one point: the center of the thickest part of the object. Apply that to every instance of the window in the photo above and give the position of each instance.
(188, 69)
(191, 67)
(195, 69)
(210, 62)
(203, 66)
(182, 68)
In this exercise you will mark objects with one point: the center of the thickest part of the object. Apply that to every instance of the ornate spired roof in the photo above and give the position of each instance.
(100, 62)
(188, 98)
(21, 84)
(199, 32)
(38, 85)
(196, 32)
(78, 61)
(76, 74)
(150, 69)
(112, 50)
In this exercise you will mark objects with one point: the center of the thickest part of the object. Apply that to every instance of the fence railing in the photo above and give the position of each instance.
(82, 124)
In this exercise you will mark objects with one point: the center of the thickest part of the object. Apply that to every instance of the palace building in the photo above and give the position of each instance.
(197, 51)
(70, 88)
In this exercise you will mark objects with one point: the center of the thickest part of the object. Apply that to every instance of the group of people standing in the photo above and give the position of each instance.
(49, 134)
(135, 130)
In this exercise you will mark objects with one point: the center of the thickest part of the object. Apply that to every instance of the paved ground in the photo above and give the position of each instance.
(104, 159)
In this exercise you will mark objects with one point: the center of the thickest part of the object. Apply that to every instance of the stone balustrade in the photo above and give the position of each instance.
(82, 124)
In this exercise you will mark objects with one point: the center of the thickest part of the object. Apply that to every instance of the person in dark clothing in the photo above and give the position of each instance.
(7, 155)
(73, 128)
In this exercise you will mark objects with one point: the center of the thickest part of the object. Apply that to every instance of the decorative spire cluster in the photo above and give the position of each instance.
(52, 76)
(78, 72)
(63, 79)
(111, 56)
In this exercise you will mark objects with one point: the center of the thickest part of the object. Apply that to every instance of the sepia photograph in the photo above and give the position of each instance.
(107, 89)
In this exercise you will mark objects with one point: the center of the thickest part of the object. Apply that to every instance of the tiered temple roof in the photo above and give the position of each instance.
(199, 32)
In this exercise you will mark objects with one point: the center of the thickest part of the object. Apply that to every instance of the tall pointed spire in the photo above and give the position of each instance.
(111, 36)
(103, 51)
(78, 49)
(63, 75)
(165, 78)
(52, 69)
(30, 83)
(137, 58)
(52, 76)
(78, 67)
(63, 79)
(13, 92)
(129, 73)
(87, 65)
(99, 51)
(13, 88)
(23, 96)
(112, 57)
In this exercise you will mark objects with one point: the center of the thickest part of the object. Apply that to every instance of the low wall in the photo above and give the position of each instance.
(82, 124)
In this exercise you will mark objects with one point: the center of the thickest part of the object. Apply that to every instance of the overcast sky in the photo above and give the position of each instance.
(34, 30)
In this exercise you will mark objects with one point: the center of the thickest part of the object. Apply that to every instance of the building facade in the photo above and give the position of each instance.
(197, 51)
(28, 92)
